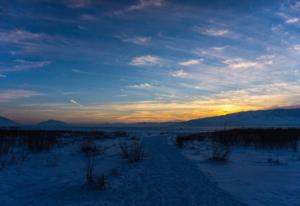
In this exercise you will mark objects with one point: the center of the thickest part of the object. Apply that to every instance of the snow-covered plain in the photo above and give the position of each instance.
(57, 177)
(167, 175)
(258, 177)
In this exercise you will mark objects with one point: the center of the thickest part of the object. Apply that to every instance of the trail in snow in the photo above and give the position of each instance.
(168, 178)
(165, 178)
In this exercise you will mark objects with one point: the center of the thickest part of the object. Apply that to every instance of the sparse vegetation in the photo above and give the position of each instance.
(136, 152)
(220, 153)
(132, 151)
(90, 151)
(89, 148)
(101, 183)
(120, 134)
(16, 144)
(124, 150)
(260, 138)
(181, 139)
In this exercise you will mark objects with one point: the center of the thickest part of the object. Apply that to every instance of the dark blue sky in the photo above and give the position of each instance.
(146, 60)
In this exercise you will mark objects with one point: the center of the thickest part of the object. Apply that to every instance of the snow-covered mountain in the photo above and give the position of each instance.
(4, 122)
(260, 118)
(52, 123)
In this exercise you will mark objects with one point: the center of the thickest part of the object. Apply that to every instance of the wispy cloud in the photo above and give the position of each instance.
(87, 17)
(142, 4)
(23, 65)
(180, 74)
(192, 86)
(292, 20)
(190, 62)
(77, 4)
(140, 40)
(8, 95)
(147, 60)
(74, 102)
(19, 36)
(141, 86)
(3, 76)
(78, 71)
(216, 32)
(239, 63)
(295, 48)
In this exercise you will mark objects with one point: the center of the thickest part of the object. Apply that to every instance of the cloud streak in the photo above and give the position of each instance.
(9, 95)
(147, 60)
(139, 40)
(141, 86)
(24, 65)
(190, 62)
(74, 102)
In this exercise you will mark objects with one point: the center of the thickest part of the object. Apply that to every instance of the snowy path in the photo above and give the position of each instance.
(165, 178)
(170, 179)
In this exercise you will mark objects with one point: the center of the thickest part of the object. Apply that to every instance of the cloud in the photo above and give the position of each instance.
(19, 36)
(239, 63)
(142, 4)
(77, 4)
(140, 40)
(295, 48)
(78, 71)
(216, 32)
(191, 86)
(141, 86)
(87, 17)
(72, 101)
(147, 60)
(190, 62)
(8, 95)
(292, 21)
(252, 98)
(3, 76)
(180, 74)
(23, 65)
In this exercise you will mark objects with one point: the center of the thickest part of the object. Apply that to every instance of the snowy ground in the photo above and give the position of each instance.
(258, 177)
(165, 177)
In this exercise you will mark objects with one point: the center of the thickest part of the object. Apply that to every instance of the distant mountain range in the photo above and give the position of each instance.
(5, 122)
(52, 123)
(259, 118)
(288, 117)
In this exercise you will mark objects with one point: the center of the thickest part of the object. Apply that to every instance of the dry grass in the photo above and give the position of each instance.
(133, 151)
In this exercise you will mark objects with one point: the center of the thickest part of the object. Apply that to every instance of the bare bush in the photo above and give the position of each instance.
(182, 139)
(90, 151)
(120, 134)
(132, 151)
(136, 152)
(89, 148)
(220, 153)
(101, 183)
(115, 172)
(124, 150)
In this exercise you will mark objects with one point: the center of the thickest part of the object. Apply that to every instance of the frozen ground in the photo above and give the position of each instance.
(258, 177)
(165, 177)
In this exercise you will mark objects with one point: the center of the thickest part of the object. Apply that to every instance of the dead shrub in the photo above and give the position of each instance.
(124, 150)
(115, 172)
(101, 183)
(220, 153)
(120, 134)
(90, 151)
(132, 151)
(182, 139)
(89, 148)
(136, 152)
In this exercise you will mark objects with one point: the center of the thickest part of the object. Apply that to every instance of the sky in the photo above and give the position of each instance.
(99, 61)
